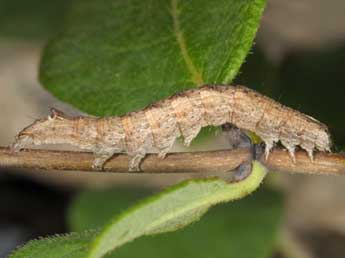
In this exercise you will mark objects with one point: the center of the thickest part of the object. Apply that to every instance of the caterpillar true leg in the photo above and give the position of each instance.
(21, 142)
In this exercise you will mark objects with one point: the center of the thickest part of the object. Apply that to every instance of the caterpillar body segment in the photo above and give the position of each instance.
(157, 126)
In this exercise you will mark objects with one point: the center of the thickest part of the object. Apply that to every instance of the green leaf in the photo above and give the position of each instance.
(118, 56)
(173, 209)
(31, 19)
(245, 229)
(67, 246)
(226, 227)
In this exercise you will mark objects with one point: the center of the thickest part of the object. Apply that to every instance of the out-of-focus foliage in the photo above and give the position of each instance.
(31, 19)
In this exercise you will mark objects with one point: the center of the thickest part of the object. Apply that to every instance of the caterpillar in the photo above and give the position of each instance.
(183, 114)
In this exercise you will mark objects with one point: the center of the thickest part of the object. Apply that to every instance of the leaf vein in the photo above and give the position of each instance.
(196, 75)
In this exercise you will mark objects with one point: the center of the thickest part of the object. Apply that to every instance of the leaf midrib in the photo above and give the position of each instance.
(219, 196)
(226, 193)
(195, 74)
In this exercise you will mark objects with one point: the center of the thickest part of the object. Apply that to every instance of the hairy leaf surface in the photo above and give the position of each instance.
(119, 56)
(245, 229)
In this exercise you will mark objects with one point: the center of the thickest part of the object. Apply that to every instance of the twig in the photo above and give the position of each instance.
(193, 162)
(174, 163)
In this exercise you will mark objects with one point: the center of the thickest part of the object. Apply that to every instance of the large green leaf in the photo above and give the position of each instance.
(117, 56)
(243, 230)
(173, 209)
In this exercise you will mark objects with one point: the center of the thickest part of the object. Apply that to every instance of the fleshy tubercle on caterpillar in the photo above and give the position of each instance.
(183, 114)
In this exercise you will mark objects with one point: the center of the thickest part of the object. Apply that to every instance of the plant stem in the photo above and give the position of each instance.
(184, 162)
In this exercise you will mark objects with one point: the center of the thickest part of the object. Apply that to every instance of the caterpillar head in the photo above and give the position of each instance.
(43, 131)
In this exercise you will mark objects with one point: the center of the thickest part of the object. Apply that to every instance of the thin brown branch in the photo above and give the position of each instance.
(197, 162)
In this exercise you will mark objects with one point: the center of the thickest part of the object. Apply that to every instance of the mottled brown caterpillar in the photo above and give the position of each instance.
(183, 114)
